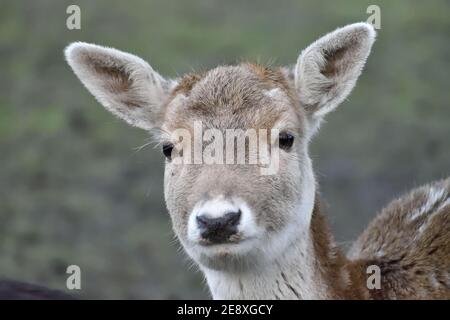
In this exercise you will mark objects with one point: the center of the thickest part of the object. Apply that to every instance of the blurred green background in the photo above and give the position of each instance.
(74, 190)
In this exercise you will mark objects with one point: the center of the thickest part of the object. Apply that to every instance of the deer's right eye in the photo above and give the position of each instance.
(286, 140)
(167, 149)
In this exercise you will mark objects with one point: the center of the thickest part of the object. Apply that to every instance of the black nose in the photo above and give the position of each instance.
(218, 230)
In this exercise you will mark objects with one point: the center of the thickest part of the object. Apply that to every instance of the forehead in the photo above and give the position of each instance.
(233, 97)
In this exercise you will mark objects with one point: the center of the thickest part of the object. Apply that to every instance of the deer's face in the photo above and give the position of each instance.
(228, 212)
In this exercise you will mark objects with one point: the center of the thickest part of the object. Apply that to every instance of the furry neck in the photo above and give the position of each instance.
(312, 267)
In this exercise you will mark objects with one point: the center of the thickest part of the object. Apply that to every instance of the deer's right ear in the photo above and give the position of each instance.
(123, 83)
(327, 70)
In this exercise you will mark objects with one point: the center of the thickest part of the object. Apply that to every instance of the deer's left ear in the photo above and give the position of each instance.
(123, 83)
(327, 70)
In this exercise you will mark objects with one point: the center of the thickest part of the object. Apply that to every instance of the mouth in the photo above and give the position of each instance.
(233, 254)
(234, 246)
(235, 239)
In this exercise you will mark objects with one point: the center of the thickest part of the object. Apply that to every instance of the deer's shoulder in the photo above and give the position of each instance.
(410, 242)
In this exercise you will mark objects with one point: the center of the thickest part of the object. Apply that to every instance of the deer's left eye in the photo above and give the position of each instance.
(167, 149)
(285, 140)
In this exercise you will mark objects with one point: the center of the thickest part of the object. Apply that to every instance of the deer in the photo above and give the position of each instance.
(256, 236)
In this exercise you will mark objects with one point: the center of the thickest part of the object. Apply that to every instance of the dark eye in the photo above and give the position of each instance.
(286, 140)
(167, 150)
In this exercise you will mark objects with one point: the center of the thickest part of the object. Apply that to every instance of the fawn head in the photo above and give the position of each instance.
(229, 215)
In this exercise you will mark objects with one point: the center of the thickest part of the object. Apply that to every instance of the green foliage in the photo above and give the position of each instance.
(73, 189)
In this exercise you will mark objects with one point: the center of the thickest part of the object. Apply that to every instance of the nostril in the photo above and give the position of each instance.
(203, 221)
(232, 218)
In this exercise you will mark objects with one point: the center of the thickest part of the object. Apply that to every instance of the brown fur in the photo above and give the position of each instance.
(413, 254)
(414, 262)
(186, 83)
(230, 97)
(330, 260)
